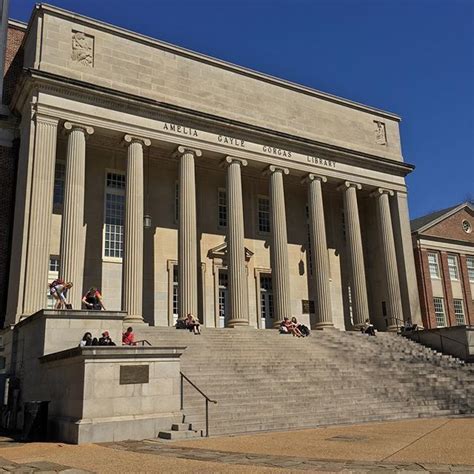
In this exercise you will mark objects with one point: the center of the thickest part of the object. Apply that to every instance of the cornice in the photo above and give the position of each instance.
(180, 51)
(40, 80)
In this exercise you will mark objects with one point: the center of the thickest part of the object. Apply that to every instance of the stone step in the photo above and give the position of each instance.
(177, 435)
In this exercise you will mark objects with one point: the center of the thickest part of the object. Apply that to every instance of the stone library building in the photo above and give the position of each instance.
(178, 183)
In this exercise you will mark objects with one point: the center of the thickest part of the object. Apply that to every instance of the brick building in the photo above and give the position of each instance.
(443, 244)
(11, 34)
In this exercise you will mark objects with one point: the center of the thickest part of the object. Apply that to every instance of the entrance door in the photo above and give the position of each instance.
(266, 301)
(223, 283)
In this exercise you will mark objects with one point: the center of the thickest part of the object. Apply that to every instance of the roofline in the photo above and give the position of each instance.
(209, 60)
(443, 216)
(17, 24)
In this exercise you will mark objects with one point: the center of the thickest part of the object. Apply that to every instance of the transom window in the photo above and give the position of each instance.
(263, 214)
(439, 312)
(54, 263)
(59, 179)
(222, 207)
(466, 225)
(470, 268)
(459, 312)
(114, 215)
(433, 265)
(453, 267)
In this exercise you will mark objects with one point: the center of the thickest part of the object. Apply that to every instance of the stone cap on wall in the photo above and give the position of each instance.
(116, 352)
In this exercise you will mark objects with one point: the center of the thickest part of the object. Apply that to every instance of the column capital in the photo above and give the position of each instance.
(228, 160)
(379, 191)
(312, 177)
(181, 150)
(40, 117)
(349, 184)
(273, 169)
(129, 139)
(70, 126)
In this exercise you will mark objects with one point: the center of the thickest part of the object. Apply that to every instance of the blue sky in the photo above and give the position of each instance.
(411, 57)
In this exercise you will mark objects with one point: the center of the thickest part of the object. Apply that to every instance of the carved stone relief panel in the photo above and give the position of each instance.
(82, 48)
(380, 134)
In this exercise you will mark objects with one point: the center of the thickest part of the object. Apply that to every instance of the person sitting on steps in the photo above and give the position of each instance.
(192, 324)
(128, 338)
(93, 300)
(291, 327)
(106, 340)
(368, 328)
(87, 340)
(304, 330)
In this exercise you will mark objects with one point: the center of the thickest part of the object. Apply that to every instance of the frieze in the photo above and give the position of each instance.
(172, 127)
(314, 160)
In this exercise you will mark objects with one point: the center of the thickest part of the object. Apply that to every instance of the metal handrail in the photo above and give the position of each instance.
(143, 342)
(441, 337)
(183, 378)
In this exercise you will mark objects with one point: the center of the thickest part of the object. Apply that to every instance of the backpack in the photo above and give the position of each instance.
(56, 282)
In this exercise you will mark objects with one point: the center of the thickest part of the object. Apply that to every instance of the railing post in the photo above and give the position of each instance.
(182, 391)
(207, 418)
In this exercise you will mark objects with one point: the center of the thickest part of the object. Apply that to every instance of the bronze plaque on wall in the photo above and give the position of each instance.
(134, 374)
(308, 306)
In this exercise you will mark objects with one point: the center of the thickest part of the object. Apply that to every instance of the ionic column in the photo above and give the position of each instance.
(133, 249)
(71, 264)
(39, 233)
(187, 234)
(319, 249)
(238, 294)
(279, 246)
(394, 299)
(360, 306)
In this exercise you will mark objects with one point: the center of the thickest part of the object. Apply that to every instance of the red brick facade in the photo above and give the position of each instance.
(13, 61)
(437, 239)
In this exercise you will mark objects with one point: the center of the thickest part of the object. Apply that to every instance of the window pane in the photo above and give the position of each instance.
(263, 214)
(433, 265)
(439, 312)
(222, 208)
(470, 268)
(59, 177)
(459, 312)
(453, 267)
(114, 215)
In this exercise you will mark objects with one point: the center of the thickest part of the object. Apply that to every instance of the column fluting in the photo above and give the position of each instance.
(238, 293)
(279, 246)
(71, 264)
(360, 306)
(133, 249)
(394, 299)
(187, 234)
(39, 232)
(319, 250)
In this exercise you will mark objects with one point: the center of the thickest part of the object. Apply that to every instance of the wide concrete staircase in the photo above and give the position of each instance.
(266, 381)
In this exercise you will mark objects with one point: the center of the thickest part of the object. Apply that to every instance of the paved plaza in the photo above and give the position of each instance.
(433, 445)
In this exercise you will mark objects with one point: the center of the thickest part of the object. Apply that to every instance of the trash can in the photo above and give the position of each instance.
(35, 421)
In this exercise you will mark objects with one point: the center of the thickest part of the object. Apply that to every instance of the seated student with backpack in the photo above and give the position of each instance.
(58, 290)
(304, 330)
(93, 300)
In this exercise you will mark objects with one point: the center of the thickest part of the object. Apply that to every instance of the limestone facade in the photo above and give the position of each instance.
(262, 198)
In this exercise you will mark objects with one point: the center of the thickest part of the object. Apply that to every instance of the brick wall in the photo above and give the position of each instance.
(447, 290)
(451, 227)
(8, 165)
(13, 61)
(424, 288)
(466, 286)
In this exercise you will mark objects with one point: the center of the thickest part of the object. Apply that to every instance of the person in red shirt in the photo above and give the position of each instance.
(128, 338)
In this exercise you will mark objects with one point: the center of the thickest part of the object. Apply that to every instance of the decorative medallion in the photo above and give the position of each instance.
(380, 134)
(82, 48)
(466, 226)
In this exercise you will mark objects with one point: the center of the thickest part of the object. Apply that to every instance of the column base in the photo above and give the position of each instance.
(134, 319)
(276, 324)
(393, 328)
(323, 325)
(234, 323)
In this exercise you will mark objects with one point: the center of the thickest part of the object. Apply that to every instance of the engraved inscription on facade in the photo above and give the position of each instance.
(380, 134)
(171, 127)
(82, 48)
(133, 374)
(320, 161)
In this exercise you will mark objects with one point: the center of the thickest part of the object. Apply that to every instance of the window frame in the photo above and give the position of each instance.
(259, 230)
(470, 268)
(58, 206)
(454, 267)
(440, 300)
(438, 273)
(119, 192)
(220, 225)
(459, 313)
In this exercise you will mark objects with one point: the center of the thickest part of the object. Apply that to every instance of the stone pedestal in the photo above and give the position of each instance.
(133, 250)
(279, 246)
(187, 234)
(360, 307)
(238, 294)
(319, 249)
(71, 264)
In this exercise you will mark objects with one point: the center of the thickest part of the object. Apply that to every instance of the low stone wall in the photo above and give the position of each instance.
(457, 341)
(111, 393)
